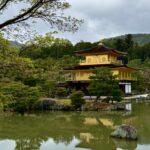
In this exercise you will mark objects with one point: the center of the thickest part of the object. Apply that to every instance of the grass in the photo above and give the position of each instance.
(66, 101)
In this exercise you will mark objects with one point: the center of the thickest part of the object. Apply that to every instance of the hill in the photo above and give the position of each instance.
(15, 44)
(141, 39)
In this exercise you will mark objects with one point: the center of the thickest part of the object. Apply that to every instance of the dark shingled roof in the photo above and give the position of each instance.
(100, 48)
(85, 67)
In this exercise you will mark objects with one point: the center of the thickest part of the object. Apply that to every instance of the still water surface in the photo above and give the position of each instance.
(74, 130)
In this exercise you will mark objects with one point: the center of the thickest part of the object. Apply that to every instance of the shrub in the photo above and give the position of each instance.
(61, 92)
(48, 88)
(116, 95)
(19, 97)
(44, 104)
(77, 99)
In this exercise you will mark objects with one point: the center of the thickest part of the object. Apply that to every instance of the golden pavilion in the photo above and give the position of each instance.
(100, 56)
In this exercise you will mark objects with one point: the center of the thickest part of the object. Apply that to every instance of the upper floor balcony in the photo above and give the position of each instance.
(85, 75)
(105, 59)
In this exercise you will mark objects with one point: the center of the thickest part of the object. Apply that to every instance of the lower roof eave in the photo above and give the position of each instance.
(87, 67)
(127, 80)
(78, 81)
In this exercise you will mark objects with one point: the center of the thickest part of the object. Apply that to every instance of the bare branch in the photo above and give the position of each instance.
(50, 11)
(3, 4)
(15, 19)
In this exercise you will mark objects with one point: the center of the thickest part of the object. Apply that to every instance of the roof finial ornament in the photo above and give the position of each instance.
(100, 43)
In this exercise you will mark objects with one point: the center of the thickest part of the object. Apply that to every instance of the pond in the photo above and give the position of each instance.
(74, 130)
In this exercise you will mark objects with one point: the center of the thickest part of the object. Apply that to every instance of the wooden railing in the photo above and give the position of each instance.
(84, 62)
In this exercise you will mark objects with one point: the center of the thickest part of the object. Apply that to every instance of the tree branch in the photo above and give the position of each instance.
(26, 13)
(50, 11)
(3, 4)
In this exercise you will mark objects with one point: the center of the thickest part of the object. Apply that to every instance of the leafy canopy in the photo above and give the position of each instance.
(104, 83)
(18, 97)
(77, 99)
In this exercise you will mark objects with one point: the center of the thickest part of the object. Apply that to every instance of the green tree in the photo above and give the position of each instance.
(146, 63)
(120, 44)
(83, 45)
(77, 99)
(12, 66)
(18, 97)
(126, 44)
(47, 46)
(135, 63)
(129, 43)
(67, 61)
(61, 92)
(142, 83)
(116, 94)
(104, 83)
(48, 88)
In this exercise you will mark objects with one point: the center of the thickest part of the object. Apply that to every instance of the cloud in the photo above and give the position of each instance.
(110, 18)
(105, 18)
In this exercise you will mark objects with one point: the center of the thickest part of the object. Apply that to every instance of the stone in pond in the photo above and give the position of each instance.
(125, 132)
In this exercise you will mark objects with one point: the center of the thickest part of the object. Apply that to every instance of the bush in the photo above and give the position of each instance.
(116, 95)
(61, 92)
(77, 99)
(18, 97)
(44, 104)
(48, 88)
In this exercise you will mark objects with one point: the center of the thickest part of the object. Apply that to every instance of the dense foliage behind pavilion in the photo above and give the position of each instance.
(33, 70)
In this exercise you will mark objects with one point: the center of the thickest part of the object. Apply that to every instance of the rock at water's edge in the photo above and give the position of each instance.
(125, 132)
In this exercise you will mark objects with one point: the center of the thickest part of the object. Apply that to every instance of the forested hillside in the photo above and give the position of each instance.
(49, 46)
(140, 39)
(15, 44)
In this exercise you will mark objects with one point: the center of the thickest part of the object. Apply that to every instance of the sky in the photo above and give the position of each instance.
(104, 19)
